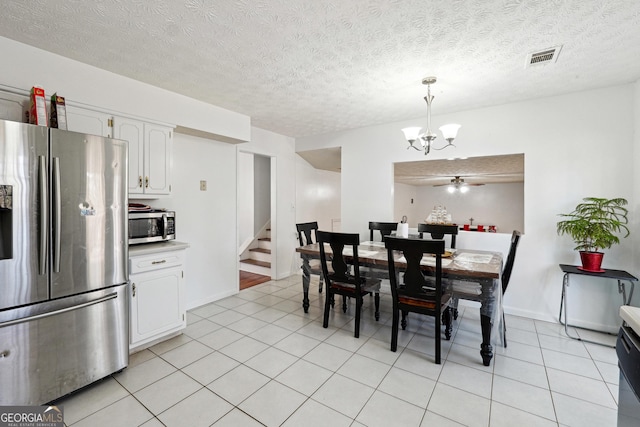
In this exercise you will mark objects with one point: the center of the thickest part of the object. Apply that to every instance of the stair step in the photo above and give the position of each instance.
(264, 239)
(261, 250)
(256, 269)
(264, 243)
(256, 262)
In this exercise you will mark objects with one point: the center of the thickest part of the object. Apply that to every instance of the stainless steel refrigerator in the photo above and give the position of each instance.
(63, 261)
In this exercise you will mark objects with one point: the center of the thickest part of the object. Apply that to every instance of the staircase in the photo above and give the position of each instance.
(257, 258)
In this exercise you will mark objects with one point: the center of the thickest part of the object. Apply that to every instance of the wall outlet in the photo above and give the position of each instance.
(203, 185)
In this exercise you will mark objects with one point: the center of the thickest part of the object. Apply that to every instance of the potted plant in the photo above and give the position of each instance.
(594, 225)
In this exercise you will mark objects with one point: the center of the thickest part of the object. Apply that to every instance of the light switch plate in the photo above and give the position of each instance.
(203, 185)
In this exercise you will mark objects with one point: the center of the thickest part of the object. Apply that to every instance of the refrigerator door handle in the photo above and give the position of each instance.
(58, 213)
(62, 310)
(42, 171)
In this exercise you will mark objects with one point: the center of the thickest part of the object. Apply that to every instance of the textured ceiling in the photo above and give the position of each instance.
(329, 159)
(475, 170)
(304, 67)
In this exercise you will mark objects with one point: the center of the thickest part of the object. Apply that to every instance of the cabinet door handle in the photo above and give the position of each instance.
(159, 262)
(146, 181)
(133, 288)
(140, 181)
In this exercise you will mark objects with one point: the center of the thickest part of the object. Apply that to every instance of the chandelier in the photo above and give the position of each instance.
(426, 137)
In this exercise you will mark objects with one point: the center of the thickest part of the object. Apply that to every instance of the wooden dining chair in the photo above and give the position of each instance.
(385, 229)
(438, 231)
(413, 295)
(506, 273)
(306, 234)
(345, 278)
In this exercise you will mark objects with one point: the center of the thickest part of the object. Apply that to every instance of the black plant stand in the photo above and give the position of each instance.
(620, 275)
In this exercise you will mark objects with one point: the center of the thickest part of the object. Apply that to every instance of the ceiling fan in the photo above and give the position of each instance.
(457, 181)
(458, 184)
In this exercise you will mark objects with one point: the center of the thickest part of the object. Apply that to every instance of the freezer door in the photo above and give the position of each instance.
(23, 214)
(53, 348)
(88, 177)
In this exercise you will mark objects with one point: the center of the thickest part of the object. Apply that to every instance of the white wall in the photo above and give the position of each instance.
(207, 220)
(575, 145)
(261, 192)
(317, 195)
(405, 198)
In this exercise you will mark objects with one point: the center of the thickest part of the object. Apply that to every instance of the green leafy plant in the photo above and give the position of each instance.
(595, 223)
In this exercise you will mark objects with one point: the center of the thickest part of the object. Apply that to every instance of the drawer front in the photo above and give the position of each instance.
(156, 261)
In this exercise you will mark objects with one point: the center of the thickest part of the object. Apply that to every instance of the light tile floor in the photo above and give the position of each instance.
(257, 359)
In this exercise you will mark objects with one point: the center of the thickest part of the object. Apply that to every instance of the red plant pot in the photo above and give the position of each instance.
(591, 261)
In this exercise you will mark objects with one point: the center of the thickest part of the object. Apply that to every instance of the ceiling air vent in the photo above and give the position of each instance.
(546, 56)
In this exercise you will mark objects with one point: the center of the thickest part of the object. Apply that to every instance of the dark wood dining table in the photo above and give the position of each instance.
(469, 274)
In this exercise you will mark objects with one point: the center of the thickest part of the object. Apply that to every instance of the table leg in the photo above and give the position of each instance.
(486, 350)
(490, 301)
(306, 279)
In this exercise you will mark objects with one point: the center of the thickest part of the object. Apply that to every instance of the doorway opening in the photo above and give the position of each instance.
(255, 215)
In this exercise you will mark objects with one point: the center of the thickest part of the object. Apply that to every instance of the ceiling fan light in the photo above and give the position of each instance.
(451, 189)
(450, 131)
(464, 189)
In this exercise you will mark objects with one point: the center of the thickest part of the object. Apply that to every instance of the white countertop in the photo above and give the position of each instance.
(152, 248)
(631, 315)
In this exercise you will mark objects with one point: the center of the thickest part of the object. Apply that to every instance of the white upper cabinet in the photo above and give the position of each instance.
(157, 159)
(149, 148)
(12, 107)
(149, 156)
(88, 121)
(132, 131)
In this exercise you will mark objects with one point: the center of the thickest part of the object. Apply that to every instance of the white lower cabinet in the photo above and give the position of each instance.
(157, 297)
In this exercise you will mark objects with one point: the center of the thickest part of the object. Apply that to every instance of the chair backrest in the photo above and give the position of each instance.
(385, 228)
(341, 270)
(438, 231)
(508, 266)
(413, 251)
(305, 229)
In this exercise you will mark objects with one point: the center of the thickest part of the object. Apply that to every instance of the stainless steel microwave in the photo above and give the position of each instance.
(153, 226)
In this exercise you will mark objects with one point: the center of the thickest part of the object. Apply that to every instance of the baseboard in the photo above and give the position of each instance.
(529, 314)
(612, 329)
(212, 298)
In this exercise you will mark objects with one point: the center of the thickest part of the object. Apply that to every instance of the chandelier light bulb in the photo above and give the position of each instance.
(411, 134)
(450, 131)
